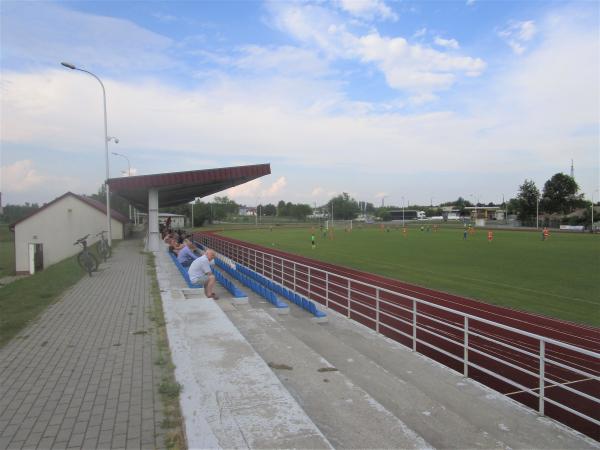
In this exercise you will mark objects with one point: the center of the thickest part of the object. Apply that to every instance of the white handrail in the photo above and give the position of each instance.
(248, 255)
(453, 311)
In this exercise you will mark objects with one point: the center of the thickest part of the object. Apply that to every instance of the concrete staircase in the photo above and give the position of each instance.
(365, 391)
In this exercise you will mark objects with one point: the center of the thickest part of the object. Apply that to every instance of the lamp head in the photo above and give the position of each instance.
(69, 65)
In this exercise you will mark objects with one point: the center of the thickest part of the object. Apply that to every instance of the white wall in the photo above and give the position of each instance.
(57, 228)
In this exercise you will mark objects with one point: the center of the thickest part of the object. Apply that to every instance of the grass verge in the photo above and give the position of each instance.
(7, 251)
(22, 301)
(169, 389)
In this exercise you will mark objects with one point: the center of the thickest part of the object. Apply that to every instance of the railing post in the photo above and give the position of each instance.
(294, 277)
(377, 309)
(414, 325)
(349, 305)
(542, 375)
(255, 259)
(327, 289)
(466, 348)
(272, 268)
(309, 282)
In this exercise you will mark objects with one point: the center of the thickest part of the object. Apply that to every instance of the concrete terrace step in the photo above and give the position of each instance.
(230, 397)
(350, 387)
(382, 394)
(347, 415)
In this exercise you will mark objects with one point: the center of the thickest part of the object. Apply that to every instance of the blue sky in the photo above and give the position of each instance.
(421, 101)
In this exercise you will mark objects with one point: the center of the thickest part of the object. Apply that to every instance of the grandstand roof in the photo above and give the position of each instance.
(175, 188)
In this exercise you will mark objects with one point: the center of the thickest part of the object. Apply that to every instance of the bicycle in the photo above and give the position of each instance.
(104, 249)
(86, 260)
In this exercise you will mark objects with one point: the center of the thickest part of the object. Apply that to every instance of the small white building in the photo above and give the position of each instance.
(177, 220)
(46, 236)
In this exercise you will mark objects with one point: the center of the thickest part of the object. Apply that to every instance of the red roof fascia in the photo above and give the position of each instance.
(188, 177)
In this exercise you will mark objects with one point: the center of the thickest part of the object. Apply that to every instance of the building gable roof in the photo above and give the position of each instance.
(89, 201)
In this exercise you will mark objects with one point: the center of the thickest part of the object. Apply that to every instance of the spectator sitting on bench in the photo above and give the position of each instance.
(186, 255)
(174, 247)
(201, 273)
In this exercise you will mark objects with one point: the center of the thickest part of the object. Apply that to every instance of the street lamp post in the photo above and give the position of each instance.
(194, 201)
(593, 210)
(128, 163)
(537, 212)
(106, 139)
(402, 211)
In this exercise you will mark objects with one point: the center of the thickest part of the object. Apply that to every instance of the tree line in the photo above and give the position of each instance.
(559, 196)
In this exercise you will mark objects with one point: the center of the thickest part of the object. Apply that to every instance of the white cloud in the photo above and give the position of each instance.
(368, 9)
(516, 34)
(406, 66)
(283, 60)
(37, 33)
(275, 188)
(470, 2)
(22, 176)
(522, 121)
(253, 191)
(317, 192)
(447, 43)
(420, 32)
(415, 67)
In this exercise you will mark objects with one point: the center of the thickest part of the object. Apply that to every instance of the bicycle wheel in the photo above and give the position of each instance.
(104, 250)
(88, 262)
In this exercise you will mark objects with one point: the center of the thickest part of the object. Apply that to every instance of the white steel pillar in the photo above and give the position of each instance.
(153, 233)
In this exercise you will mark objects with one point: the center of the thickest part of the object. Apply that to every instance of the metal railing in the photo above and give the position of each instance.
(531, 363)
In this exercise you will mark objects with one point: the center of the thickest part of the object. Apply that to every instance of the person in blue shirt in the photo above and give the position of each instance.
(186, 255)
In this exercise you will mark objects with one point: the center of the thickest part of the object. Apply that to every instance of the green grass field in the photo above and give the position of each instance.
(558, 277)
(7, 251)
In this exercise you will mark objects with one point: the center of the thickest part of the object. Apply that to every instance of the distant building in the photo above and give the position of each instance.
(450, 213)
(177, 220)
(484, 212)
(406, 214)
(46, 236)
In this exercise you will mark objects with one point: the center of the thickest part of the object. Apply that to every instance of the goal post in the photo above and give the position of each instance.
(339, 224)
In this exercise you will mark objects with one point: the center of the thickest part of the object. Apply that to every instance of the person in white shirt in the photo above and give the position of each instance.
(201, 273)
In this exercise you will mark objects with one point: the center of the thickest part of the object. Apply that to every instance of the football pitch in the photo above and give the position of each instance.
(558, 277)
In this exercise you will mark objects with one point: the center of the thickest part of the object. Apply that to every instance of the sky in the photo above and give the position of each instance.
(389, 101)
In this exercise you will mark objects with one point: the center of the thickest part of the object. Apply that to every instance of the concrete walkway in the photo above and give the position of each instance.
(80, 376)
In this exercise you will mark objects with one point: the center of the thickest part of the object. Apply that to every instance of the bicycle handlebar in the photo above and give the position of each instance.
(101, 233)
(80, 240)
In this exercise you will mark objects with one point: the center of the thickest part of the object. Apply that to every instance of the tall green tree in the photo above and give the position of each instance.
(560, 194)
(12, 213)
(344, 207)
(527, 200)
(269, 210)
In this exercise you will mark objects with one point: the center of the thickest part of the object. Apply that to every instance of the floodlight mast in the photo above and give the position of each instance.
(106, 139)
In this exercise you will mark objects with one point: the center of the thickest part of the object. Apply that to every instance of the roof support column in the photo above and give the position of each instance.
(153, 233)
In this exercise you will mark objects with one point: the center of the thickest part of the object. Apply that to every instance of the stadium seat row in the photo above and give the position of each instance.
(227, 284)
(183, 271)
(252, 284)
(292, 296)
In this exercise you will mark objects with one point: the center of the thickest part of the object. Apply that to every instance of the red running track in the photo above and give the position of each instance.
(360, 302)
